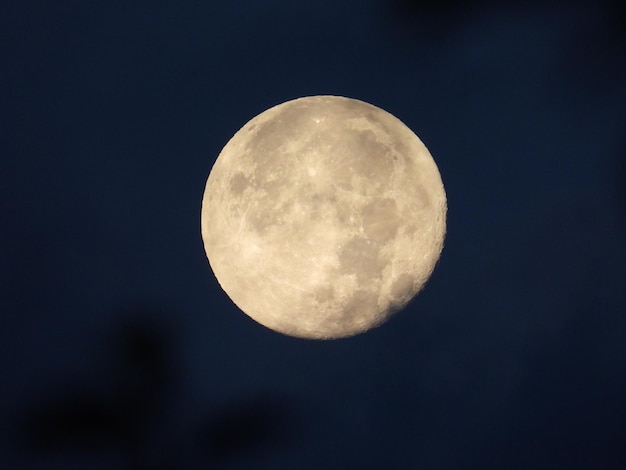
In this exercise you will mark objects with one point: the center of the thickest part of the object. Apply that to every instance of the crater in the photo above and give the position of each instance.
(270, 212)
(372, 159)
(284, 126)
(422, 197)
(402, 289)
(238, 184)
(380, 220)
(361, 309)
(324, 294)
(261, 221)
(361, 257)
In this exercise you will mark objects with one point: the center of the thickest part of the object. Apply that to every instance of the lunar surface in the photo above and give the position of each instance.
(323, 216)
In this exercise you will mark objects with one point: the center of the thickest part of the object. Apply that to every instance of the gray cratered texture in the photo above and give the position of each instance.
(323, 216)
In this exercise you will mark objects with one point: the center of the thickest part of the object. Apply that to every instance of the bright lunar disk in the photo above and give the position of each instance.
(323, 216)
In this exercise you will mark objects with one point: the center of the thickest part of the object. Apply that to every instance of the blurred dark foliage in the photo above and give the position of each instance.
(618, 15)
(77, 420)
(443, 8)
(141, 383)
(263, 423)
(436, 18)
(446, 13)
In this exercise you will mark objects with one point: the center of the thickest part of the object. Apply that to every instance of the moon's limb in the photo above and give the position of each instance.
(323, 216)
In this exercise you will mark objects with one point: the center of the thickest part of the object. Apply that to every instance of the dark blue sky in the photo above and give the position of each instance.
(118, 349)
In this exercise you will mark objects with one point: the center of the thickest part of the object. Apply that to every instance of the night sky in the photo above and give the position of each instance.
(118, 348)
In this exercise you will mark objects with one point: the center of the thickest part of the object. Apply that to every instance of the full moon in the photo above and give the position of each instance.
(323, 216)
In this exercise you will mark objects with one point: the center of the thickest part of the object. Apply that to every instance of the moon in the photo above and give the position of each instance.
(323, 216)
